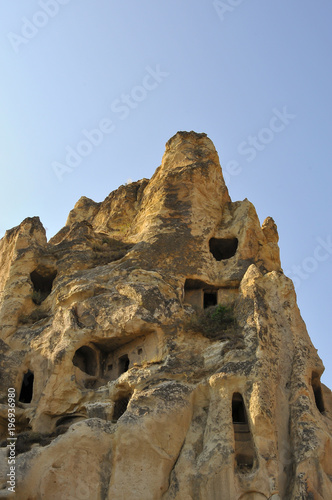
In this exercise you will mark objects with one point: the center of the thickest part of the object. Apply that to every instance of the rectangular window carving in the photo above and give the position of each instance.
(210, 299)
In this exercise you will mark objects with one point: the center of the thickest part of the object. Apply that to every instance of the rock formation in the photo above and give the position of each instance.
(157, 351)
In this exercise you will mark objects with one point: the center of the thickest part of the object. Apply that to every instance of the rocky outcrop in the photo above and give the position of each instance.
(157, 351)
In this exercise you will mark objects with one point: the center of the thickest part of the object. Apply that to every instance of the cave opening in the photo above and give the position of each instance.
(317, 389)
(123, 364)
(85, 359)
(239, 415)
(244, 443)
(26, 392)
(223, 248)
(120, 406)
(42, 285)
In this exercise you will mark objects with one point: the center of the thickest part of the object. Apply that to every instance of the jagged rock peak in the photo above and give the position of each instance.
(157, 351)
(189, 148)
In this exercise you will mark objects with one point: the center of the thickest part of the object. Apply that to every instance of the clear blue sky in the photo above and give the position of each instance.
(153, 68)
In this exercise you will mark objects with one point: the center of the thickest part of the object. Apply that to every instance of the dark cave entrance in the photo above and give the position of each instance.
(223, 248)
(123, 364)
(42, 285)
(27, 387)
(120, 406)
(243, 439)
(239, 415)
(317, 389)
(85, 359)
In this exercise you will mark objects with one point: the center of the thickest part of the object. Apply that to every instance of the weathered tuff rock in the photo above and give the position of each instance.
(131, 382)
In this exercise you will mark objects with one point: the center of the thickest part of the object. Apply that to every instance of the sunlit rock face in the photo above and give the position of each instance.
(157, 351)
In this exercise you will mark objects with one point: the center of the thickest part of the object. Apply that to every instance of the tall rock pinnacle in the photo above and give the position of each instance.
(154, 349)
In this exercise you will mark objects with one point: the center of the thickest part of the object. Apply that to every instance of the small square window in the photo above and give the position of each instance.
(210, 299)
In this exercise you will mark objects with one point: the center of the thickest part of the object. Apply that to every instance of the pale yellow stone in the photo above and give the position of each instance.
(132, 399)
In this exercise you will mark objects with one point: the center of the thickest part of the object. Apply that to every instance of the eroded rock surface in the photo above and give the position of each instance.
(157, 351)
